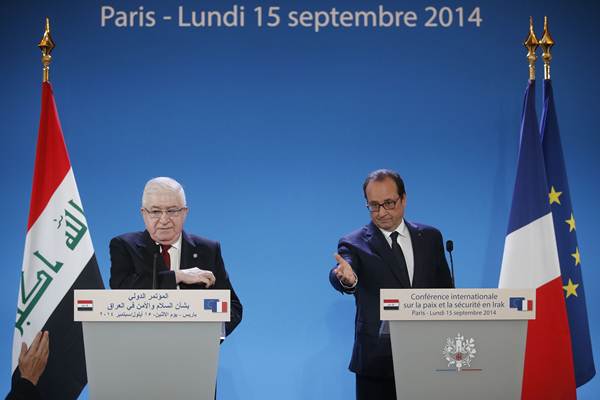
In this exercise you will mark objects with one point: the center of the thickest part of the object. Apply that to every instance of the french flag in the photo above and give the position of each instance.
(215, 305)
(521, 303)
(530, 260)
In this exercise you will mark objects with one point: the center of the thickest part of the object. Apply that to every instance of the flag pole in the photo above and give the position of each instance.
(46, 45)
(546, 43)
(531, 43)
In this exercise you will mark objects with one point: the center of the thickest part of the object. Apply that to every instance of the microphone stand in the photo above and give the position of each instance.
(449, 249)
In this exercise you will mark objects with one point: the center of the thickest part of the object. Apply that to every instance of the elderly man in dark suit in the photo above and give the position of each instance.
(184, 260)
(389, 252)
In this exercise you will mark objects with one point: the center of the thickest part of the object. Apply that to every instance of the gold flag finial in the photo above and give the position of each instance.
(46, 45)
(546, 43)
(531, 43)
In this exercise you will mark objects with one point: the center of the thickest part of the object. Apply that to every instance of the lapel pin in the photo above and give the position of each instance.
(195, 255)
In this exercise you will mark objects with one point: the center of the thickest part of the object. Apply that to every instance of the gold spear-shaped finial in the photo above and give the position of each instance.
(531, 43)
(46, 45)
(546, 43)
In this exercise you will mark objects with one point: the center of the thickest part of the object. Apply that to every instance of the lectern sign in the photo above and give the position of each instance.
(457, 304)
(457, 344)
(152, 305)
(135, 338)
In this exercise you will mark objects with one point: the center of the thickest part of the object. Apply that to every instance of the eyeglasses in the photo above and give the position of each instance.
(171, 212)
(388, 205)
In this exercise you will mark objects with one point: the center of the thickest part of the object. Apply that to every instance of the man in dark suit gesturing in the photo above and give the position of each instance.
(387, 253)
(184, 261)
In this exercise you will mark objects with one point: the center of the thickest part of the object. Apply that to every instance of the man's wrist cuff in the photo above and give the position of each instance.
(352, 286)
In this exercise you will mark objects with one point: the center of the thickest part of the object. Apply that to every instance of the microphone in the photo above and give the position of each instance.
(154, 266)
(449, 249)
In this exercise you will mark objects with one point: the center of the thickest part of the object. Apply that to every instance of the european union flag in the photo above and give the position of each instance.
(211, 304)
(516, 302)
(530, 260)
(566, 241)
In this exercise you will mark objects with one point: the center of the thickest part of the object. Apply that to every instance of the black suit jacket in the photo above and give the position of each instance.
(132, 255)
(22, 389)
(371, 258)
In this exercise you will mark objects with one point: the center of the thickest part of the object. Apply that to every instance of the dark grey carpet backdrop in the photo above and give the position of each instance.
(271, 130)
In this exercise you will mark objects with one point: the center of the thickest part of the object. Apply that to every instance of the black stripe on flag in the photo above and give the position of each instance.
(65, 375)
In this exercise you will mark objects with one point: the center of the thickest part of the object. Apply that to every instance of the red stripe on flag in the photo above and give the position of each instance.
(84, 302)
(548, 371)
(51, 160)
(224, 307)
(391, 300)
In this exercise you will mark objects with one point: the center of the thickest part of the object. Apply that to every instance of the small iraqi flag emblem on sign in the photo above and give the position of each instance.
(85, 305)
(391, 304)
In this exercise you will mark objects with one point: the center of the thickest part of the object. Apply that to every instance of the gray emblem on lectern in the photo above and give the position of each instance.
(459, 351)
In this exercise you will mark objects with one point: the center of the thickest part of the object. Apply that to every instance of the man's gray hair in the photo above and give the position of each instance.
(162, 184)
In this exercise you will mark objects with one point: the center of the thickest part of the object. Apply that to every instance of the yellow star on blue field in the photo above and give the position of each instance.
(571, 222)
(576, 256)
(571, 288)
(553, 196)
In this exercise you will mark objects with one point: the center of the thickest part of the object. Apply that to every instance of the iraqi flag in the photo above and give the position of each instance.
(391, 304)
(530, 260)
(58, 258)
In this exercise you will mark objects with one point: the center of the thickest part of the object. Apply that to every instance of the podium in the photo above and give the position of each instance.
(152, 344)
(457, 343)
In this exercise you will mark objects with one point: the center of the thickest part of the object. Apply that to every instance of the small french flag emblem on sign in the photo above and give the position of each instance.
(391, 304)
(521, 303)
(215, 305)
(85, 305)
